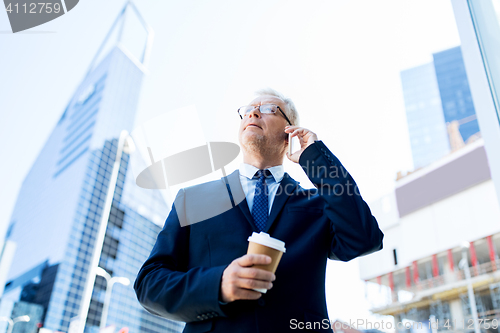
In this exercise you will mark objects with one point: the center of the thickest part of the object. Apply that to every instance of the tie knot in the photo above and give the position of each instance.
(261, 174)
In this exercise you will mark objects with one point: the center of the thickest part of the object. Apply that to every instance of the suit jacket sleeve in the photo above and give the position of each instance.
(166, 287)
(353, 230)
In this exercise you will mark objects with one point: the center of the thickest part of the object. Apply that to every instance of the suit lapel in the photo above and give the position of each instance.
(239, 196)
(287, 186)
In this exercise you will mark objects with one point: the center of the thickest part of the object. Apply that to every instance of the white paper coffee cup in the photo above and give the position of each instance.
(262, 243)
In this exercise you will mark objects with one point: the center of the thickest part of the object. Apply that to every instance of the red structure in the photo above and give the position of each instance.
(491, 250)
(435, 266)
(415, 272)
(408, 277)
(473, 257)
(450, 260)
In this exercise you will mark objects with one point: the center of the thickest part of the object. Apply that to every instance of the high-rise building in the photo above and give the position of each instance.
(426, 123)
(59, 207)
(454, 90)
(440, 221)
(436, 95)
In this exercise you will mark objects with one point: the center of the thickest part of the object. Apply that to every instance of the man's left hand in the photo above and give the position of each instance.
(306, 138)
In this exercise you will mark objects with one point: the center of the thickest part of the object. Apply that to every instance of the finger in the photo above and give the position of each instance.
(242, 293)
(254, 284)
(294, 133)
(256, 274)
(291, 128)
(290, 157)
(300, 131)
(253, 259)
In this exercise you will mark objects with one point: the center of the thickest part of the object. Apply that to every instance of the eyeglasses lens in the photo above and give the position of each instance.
(268, 108)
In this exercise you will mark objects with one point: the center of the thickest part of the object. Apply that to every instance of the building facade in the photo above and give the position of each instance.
(439, 107)
(455, 92)
(59, 208)
(424, 114)
(436, 217)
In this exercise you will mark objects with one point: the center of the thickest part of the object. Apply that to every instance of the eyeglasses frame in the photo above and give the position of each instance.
(258, 107)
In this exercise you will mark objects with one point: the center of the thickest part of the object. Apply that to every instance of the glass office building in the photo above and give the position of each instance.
(454, 91)
(437, 94)
(426, 123)
(59, 207)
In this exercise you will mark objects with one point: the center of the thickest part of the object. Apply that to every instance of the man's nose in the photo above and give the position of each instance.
(254, 113)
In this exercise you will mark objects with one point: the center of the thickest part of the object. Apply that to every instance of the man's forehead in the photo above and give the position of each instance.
(267, 99)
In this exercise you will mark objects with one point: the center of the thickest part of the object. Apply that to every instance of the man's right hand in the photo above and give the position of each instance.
(239, 278)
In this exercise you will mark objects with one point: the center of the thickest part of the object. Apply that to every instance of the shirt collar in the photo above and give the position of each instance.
(249, 171)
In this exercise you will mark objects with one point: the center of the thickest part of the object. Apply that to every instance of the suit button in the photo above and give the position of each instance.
(199, 318)
(261, 302)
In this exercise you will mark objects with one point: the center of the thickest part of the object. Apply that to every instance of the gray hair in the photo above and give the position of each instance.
(290, 110)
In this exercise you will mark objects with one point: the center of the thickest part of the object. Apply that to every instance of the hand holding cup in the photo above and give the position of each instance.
(241, 277)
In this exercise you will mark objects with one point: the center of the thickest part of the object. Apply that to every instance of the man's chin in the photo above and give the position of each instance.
(251, 136)
(252, 141)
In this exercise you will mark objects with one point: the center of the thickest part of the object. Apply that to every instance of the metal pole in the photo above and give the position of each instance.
(104, 314)
(110, 282)
(434, 324)
(101, 233)
(9, 323)
(12, 322)
(472, 300)
(107, 301)
(11, 326)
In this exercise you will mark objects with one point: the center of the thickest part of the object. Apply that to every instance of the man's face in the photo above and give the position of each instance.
(264, 132)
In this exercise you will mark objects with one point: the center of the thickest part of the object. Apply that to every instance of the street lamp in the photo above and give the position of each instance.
(110, 281)
(12, 322)
(125, 144)
(464, 264)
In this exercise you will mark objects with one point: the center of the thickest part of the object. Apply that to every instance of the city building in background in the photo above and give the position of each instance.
(454, 90)
(424, 113)
(59, 208)
(441, 224)
(437, 216)
(439, 107)
(7, 250)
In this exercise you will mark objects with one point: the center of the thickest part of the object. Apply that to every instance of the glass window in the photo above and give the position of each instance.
(486, 18)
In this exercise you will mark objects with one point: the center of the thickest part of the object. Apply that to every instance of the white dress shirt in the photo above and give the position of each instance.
(248, 182)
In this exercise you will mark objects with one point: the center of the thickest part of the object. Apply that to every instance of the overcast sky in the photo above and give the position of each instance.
(338, 60)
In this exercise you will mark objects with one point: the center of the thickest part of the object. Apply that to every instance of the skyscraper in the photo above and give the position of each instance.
(437, 94)
(455, 91)
(426, 124)
(59, 207)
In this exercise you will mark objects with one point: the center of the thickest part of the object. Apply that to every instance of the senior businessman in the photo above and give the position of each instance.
(199, 273)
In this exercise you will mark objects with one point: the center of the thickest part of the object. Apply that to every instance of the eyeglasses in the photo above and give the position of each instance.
(266, 109)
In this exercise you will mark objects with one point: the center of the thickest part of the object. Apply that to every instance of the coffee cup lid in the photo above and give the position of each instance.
(266, 240)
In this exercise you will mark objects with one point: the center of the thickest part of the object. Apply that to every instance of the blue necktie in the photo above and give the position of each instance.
(260, 201)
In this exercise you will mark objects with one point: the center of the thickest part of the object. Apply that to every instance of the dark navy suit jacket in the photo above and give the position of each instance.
(181, 278)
